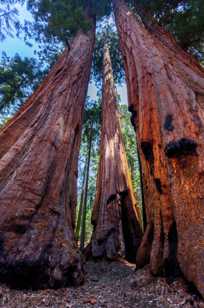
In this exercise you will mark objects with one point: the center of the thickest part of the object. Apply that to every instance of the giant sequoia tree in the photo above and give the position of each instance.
(116, 214)
(40, 145)
(166, 96)
(38, 172)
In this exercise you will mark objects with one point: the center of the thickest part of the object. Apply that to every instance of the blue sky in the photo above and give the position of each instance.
(14, 45)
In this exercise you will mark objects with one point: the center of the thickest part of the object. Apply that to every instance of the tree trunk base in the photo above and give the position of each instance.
(159, 252)
(143, 253)
(56, 269)
(107, 247)
(192, 263)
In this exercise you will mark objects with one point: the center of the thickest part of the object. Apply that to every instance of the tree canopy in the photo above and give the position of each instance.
(9, 18)
(18, 78)
(107, 34)
(59, 20)
(56, 22)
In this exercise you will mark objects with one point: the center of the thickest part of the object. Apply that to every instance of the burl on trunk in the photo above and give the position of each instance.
(166, 96)
(116, 215)
(38, 173)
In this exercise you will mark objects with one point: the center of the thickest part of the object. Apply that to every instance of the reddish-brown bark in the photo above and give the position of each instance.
(116, 214)
(166, 97)
(38, 173)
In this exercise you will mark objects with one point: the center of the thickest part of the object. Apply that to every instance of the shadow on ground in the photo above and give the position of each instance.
(108, 285)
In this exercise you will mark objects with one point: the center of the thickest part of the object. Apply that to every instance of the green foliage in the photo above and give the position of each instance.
(92, 114)
(4, 121)
(18, 78)
(131, 148)
(188, 25)
(99, 8)
(89, 227)
(58, 21)
(91, 118)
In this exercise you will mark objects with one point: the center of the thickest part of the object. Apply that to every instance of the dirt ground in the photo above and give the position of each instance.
(108, 285)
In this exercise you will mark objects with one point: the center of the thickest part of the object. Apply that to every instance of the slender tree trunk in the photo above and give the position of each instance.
(84, 207)
(115, 200)
(81, 204)
(38, 159)
(166, 97)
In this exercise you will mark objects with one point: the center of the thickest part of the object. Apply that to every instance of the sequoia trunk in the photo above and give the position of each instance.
(115, 211)
(166, 98)
(38, 173)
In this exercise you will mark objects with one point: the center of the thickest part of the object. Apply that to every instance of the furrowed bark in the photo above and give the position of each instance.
(38, 173)
(166, 96)
(114, 204)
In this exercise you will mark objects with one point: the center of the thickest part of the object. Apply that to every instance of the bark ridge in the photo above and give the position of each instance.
(38, 173)
(166, 95)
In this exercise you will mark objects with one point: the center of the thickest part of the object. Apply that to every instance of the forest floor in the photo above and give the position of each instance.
(108, 285)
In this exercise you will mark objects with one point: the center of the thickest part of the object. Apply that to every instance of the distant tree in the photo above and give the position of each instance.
(107, 34)
(88, 168)
(86, 185)
(116, 216)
